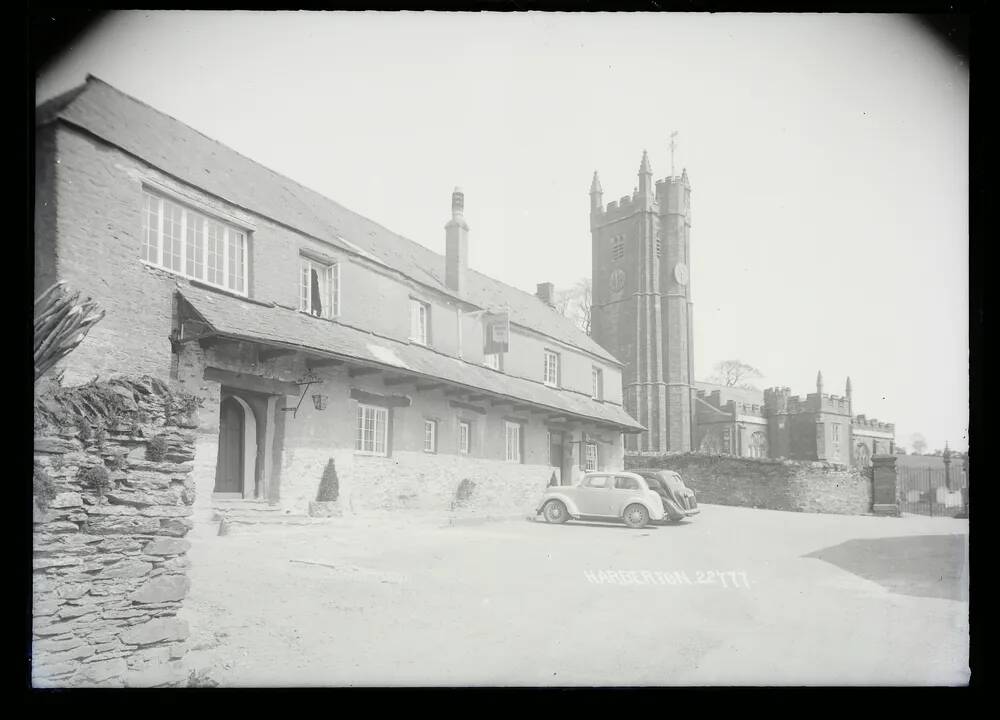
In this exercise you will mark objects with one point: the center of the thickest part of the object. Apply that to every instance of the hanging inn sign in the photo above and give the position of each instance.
(496, 332)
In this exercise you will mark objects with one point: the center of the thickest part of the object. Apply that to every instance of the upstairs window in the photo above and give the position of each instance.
(493, 360)
(189, 243)
(319, 288)
(420, 313)
(598, 384)
(551, 372)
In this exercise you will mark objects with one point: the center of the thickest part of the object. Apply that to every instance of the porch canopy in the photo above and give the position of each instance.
(207, 314)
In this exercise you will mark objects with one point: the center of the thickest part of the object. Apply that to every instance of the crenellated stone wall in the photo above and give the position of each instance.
(110, 565)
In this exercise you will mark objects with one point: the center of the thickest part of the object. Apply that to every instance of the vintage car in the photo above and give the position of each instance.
(636, 498)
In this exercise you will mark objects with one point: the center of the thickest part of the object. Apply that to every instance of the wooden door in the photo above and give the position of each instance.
(229, 471)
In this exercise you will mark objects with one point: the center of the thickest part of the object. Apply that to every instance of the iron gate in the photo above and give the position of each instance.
(924, 491)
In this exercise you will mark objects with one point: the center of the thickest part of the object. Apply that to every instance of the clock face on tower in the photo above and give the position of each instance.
(681, 273)
(617, 280)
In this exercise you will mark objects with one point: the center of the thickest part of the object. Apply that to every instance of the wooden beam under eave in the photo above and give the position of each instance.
(456, 392)
(323, 362)
(266, 354)
(523, 408)
(479, 398)
(398, 380)
(358, 371)
(495, 402)
(424, 387)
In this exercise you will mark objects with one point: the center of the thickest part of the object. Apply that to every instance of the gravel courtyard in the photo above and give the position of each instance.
(379, 601)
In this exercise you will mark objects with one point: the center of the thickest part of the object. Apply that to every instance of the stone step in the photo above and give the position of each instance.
(230, 524)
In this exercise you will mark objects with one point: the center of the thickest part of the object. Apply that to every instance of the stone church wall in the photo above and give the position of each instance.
(767, 483)
(112, 498)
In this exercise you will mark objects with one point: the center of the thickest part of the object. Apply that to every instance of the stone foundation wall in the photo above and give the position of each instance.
(767, 483)
(110, 566)
(421, 482)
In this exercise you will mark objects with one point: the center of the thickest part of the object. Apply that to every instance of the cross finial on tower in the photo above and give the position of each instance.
(673, 147)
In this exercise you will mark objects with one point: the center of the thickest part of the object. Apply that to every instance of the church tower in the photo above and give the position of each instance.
(641, 310)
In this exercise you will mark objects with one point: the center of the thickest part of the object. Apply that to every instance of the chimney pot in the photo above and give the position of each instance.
(546, 293)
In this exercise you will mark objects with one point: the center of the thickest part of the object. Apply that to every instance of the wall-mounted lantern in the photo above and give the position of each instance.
(319, 401)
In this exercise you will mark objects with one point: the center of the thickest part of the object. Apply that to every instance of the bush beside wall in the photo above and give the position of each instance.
(767, 483)
(110, 566)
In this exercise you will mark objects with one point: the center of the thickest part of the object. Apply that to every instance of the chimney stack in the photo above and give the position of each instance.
(456, 244)
(546, 293)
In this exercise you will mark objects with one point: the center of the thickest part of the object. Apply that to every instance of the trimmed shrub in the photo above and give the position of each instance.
(96, 478)
(329, 485)
(464, 492)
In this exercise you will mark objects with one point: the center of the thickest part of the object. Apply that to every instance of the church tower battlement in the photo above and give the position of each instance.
(642, 306)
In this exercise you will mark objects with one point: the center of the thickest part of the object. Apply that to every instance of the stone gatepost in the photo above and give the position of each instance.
(884, 496)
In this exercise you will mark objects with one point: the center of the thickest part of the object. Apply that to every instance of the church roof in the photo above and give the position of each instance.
(197, 159)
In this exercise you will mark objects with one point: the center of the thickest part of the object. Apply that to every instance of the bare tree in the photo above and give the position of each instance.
(735, 373)
(575, 303)
(918, 443)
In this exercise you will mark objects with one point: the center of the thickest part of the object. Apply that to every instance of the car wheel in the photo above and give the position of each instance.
(555, 512)
(635, 516)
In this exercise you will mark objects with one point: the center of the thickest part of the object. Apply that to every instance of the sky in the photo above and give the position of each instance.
(827, 154)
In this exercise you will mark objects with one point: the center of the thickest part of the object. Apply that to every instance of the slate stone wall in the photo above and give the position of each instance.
(110, 565)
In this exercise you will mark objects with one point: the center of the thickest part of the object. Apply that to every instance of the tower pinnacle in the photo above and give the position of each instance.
(819, 382)
(644, 168)
(596, 194)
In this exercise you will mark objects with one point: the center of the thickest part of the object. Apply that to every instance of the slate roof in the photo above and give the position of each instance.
(237, 318)
(194, 158)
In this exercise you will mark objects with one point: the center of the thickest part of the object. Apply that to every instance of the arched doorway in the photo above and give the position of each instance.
(237, 460)
(758, 445)
(862, 456)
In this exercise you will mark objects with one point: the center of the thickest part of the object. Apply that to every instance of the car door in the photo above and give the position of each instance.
(593, 495)
(625, 489)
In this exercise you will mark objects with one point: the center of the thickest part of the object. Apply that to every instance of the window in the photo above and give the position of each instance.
(659, 242)
(617, 247)
(623, 482)
(596, 481)
(464, 436)
(373, 425)
(430, 435)
(551, 376)
(590, 457)
(189, 243)
(836, 433)
(319, 288)
(758, 445)
(493, 360)
(513, 433)
(419, 321)
(598, 390)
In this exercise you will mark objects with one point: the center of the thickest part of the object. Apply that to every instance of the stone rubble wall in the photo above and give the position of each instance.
(767, 483)
(110, 573)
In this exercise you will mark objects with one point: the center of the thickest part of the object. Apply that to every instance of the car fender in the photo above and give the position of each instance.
(571, 507)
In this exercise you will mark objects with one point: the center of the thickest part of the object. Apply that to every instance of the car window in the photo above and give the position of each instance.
(596, 481)
(624, 482)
